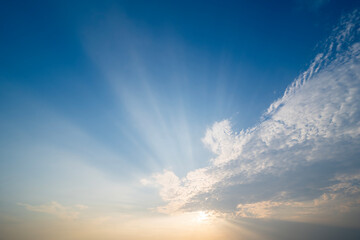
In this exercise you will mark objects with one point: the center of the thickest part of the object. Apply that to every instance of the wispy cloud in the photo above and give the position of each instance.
(315, 123)
(56, 209)
(341, 197)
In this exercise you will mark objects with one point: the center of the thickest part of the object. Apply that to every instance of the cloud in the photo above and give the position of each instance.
(222, 141)
(315, 125)
(347, 184)
(56, 209)
(342, 197)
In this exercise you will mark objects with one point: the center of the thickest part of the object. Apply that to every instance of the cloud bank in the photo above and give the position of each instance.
(300, 159)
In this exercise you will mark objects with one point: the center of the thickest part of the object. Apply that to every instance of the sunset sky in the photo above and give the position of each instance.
(153, 120)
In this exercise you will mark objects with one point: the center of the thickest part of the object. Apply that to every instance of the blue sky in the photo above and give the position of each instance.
(126, 111)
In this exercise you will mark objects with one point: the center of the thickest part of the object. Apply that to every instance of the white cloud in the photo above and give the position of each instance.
(317, 120)
(222, 141)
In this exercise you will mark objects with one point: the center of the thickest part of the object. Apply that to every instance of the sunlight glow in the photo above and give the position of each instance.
(202, 217)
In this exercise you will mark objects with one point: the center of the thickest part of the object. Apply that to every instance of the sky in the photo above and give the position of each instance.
(180, 120)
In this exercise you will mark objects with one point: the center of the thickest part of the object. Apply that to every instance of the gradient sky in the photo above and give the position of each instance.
(180, 119)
